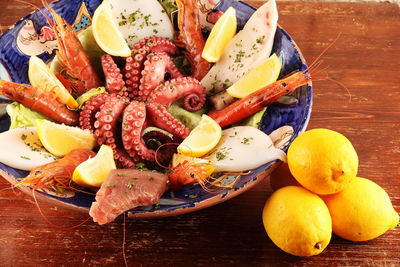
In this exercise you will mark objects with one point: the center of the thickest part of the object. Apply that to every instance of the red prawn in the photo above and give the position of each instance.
(38, 100)
(80, 76)
(191, 38)
(56, 174)
(257, 100)
(189, 172)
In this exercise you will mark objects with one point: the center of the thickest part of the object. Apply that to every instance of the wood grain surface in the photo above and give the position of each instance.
(365, 59)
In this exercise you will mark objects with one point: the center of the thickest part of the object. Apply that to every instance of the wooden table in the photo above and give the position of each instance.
(365, 59)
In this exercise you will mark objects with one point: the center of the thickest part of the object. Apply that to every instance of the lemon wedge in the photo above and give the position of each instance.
(40, 76)
(93, 172)
(60, 139)
(202, 139)
(263, 74)
(106, 32)
(220, 35)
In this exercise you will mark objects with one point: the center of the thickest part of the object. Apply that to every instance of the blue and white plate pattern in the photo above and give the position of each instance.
(30, 36)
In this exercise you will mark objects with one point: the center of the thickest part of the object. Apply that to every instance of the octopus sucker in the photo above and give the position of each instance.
(87, 116)
(162, 119)
(139, 97)
(155, 68)
(136, 63)
(132, 127)
(133, 72)
(114, 79)
(161, 44)
(107, 127)
(187, 88)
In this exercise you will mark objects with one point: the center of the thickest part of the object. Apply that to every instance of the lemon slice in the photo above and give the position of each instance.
(202, 139)
(40, 76)
(60, 139)
(93, 172)
(263, 74)
(106, 32)
(220, 35)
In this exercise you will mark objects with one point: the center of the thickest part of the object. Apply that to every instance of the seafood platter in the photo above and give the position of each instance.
(146, 107)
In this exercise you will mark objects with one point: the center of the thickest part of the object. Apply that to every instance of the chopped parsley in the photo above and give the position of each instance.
(220, 155)
(130, 185)
(246, 140)
(141, 166)
(260, 39)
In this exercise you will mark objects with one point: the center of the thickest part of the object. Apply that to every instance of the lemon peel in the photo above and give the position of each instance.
(94, 171)
(307, 223)
(60, 139)
(202, 139)
(323, 161)
(220, 35)
(362, 211)
(40, 76)
(262, 75)
(106, 32)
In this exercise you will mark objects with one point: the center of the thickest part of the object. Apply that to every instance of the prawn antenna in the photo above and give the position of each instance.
(157, 153)
(7, 188)
(51, 223)
(314, 68)
(45, 5)
(324, 51)
(327, 78)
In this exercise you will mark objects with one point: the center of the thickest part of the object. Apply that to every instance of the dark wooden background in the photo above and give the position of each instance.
(365, 59)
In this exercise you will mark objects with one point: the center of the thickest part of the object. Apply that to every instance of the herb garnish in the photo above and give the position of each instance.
(246, 140)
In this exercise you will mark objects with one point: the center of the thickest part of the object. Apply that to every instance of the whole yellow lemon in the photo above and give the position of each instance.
(323, 161)
(362, 211)
(297, 221)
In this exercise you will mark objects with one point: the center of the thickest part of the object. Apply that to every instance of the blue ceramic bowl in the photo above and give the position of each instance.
(14, 66)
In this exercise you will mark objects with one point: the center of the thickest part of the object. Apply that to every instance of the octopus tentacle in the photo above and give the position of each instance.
(161, 44)
(114, 80)
(89, 110)
(134, 64)
(187, 87)
(107, 127)
(133, 71)
(161, 118)
(155, 68)
(133, 123)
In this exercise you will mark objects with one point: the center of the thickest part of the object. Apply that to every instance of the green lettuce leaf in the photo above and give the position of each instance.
(22, 116)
